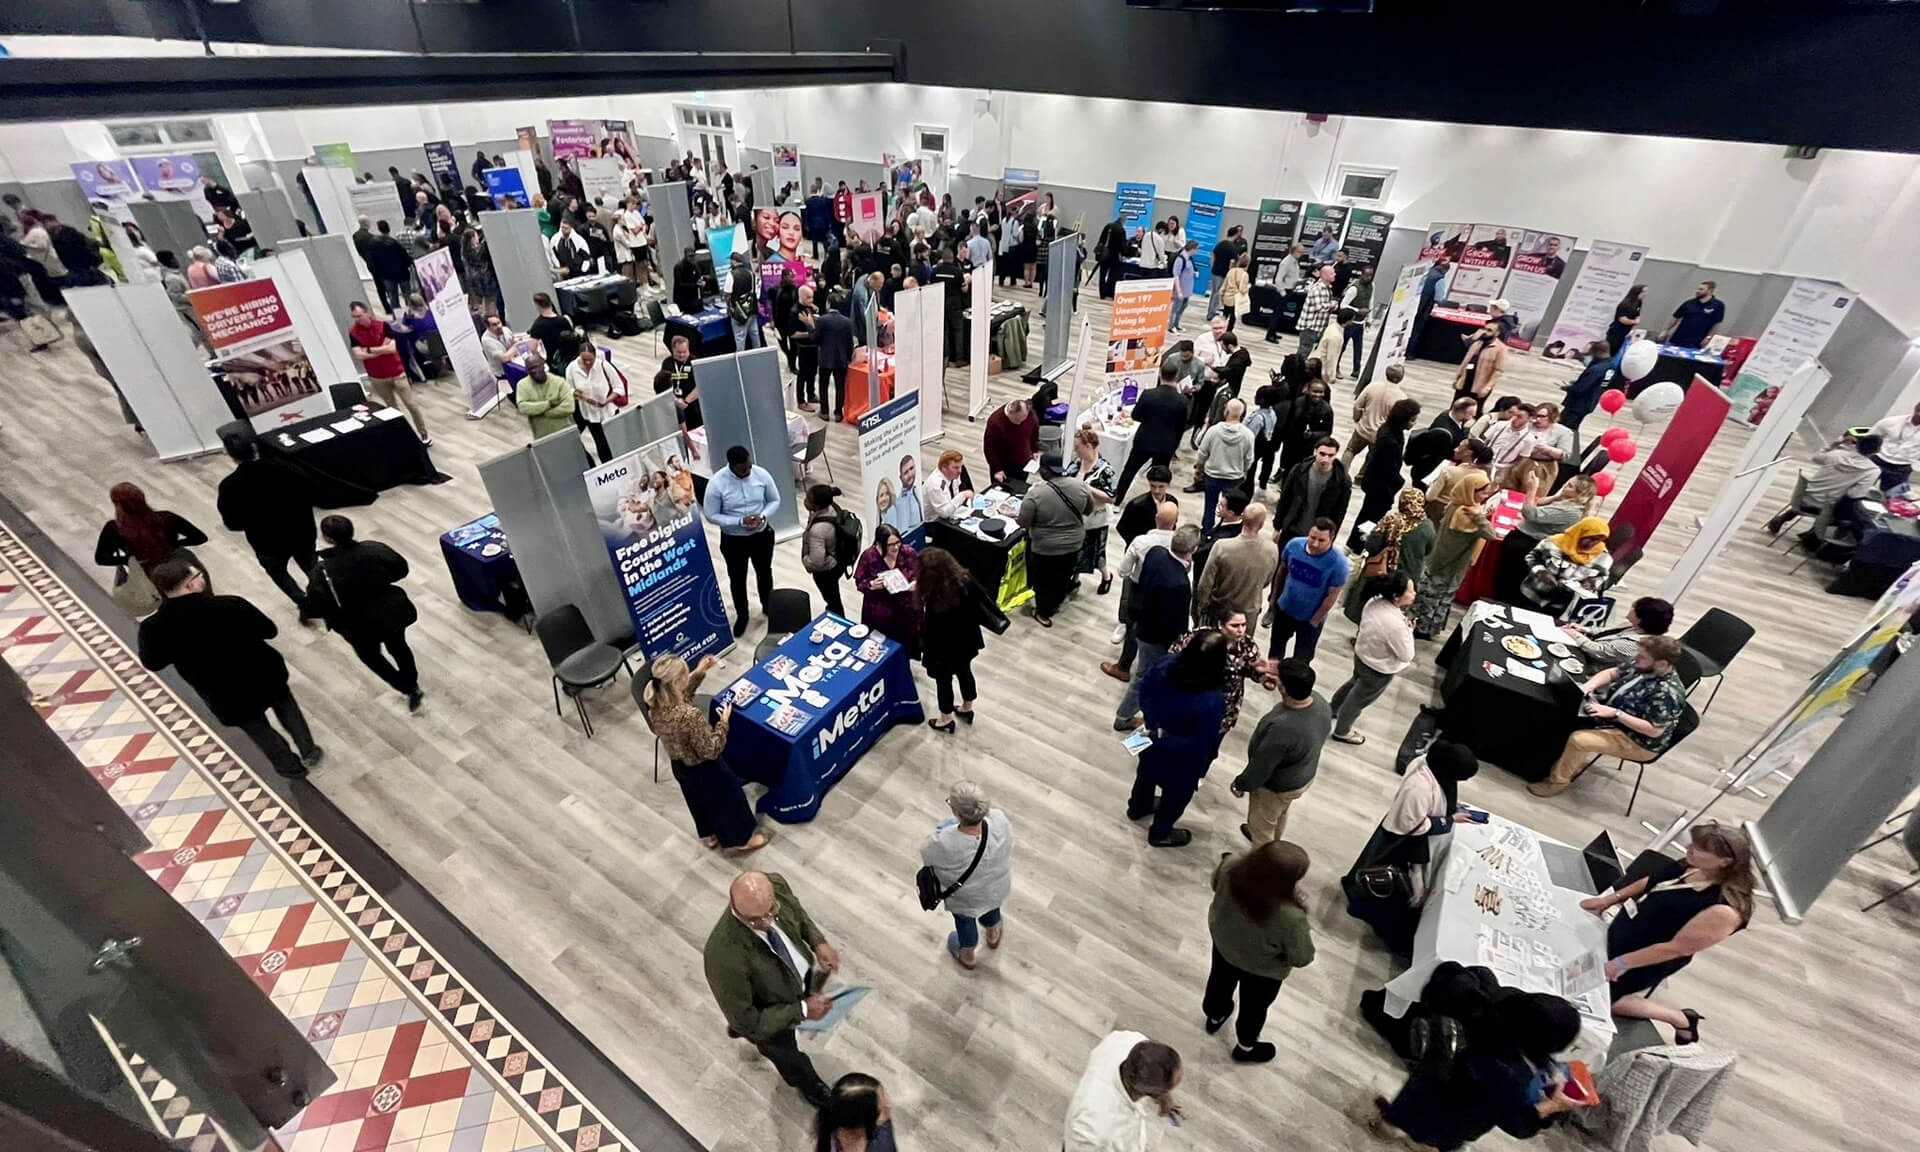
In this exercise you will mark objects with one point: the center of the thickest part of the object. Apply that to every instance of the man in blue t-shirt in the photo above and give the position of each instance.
(1312, 573)
(1695, 319)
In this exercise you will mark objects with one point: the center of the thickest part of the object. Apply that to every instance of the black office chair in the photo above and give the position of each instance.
(577, 660)
(788, 611)
(1714, 640)
(1687, 667)
(346, 396)
(1682, 728)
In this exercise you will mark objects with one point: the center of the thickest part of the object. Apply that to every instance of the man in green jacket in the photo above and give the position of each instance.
(766, 962)
(544, 399)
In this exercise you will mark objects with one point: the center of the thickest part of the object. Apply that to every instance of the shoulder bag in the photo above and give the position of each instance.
(991, 616)
(928, 882)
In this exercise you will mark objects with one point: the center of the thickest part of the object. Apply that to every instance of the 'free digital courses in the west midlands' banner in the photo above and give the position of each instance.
(643, 504)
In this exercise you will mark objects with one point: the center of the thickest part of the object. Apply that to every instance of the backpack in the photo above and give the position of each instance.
(847, 535)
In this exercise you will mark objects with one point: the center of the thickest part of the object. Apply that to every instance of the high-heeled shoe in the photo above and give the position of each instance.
(964, 716)
(946, 728)
(1692, 1030)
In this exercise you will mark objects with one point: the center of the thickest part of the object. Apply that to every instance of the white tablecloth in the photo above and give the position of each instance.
(1493, 903)
(700, 461)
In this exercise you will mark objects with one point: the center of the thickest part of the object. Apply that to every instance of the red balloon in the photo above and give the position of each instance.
(1622, 450)
(1612, 434)
(1603, 483)
(1612, 400)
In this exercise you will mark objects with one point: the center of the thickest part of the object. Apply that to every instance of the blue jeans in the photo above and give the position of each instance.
(1214, 488)
(1213, 296)
(968, 928)
(1179, 308)
(1146, 655)
(748, 335)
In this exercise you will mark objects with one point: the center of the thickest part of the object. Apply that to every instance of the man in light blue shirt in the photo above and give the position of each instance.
(741, 501)
(1325, 247)
(979, 249)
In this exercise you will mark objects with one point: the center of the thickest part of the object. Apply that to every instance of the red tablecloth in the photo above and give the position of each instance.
(857, 385)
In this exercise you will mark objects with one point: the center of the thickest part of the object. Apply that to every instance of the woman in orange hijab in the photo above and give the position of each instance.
(1566, 568)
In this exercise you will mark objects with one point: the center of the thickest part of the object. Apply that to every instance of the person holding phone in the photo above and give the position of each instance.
(721, 816)
(741, 500)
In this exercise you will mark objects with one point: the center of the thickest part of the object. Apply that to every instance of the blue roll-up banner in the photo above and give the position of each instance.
(443, 164)
(721, 242)
(507, 188)
(1133, 204)
(644, 505)
(1204, 208)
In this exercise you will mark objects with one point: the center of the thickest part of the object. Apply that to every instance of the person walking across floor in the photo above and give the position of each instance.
(743, 305)
(355, 588)
(1159, 417)
(1161, 609)
(220, 646)
(1258, 921)
(1382, 650)
(378, 355)
(1226, 455)
(1307, 583)
(595, 384)
(136, 540)
(971, 857)
(952, 608)
(1381, 479)
(857, 1117)
(1183, 275)
(271, 504)
(1124, 1097)
(741, 500)
(1166, 519)
(696, 747)
(766, 962)
(1054, 514)
(1283, 754)
(1316, 311)
(827, 546)
(1183, 703)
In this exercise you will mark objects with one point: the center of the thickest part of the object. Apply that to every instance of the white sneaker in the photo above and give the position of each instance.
(1119, 634)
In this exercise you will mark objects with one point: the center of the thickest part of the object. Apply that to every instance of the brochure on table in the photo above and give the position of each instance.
(1606, 276)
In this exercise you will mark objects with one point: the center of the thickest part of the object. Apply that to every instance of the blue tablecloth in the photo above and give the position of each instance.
(486, 582)
(709, 332)
(842, 712)
(1679, 366)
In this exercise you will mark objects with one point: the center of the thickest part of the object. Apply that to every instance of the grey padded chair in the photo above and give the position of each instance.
(578, 661)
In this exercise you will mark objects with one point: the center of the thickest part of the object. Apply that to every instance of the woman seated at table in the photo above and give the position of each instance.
(1562, 570)
(1647, 616)
(1631, 709)
(1388, 881)
(1539, 519)
(890, 613)
(948, 493)
(718, 805)
(1681, 909)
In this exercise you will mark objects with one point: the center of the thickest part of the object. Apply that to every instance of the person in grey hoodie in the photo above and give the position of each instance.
(1226, 453)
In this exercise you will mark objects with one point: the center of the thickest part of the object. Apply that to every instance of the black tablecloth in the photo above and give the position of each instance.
(1885, 552)
(1516, 724)
(985, 560)
(354, 467)
(1264, 298)
(596, 302)
(1445, 339)
(1679, 368)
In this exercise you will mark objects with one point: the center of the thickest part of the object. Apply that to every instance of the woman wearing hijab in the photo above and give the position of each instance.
(1388, 881)
(1381, 482)
(1399, 543)
(1539, 519)
(1569, 567)
(1464, 491)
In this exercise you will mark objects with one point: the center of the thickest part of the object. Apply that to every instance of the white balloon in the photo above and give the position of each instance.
(1658, 401)
(1639, 359)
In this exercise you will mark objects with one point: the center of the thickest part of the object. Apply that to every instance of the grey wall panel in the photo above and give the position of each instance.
(1057, 338)
(333, 266)
(766, 409)
(63, 198)
(647, 422)
(519, 254)
(672, 226)
(562, 460)
(155, 367)
(169, 224)
(1865, 357)
(723, 406)
(270, 214)
(527, 517)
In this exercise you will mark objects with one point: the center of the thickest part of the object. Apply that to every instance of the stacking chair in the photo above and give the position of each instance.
(788, 611)
(1682, 728)
(577, 660)
(1714, 640)
(1797, 506)
(814, 449)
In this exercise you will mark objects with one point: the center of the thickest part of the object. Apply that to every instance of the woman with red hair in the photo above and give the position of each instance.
(139, 534)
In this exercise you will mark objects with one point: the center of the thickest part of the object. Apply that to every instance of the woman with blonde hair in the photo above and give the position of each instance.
(715, 799)
(1465, 491)
(1679, 910)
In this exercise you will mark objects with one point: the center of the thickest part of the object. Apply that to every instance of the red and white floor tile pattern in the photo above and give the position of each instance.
(424, 1065)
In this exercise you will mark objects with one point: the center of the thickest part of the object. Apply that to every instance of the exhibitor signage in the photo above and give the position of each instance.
(1366, 237)
(644, 507)
(1272, 238)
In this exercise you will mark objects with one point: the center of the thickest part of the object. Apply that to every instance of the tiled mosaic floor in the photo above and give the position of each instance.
(424, 1065)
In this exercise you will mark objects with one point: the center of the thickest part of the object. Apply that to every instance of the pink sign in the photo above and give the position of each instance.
(571, 137)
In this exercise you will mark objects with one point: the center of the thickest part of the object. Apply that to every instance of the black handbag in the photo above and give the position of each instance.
(992, 618)
(928, 882)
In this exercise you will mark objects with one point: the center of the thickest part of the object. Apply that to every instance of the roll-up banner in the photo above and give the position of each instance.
(1445, 242)
(527, 139)
(618, 143)
(378, 201)
(1398, 326)
(1796, 335)
(1204, 206)
(786, 168)
(721, 242)
(1133, 204)
(1272, 238)
(1536, 272)
(442, 164)
(602, 180)
(869, 216)
(1481, 271)
(251, 334)
(333, 155)
(658, 545)
(507, 188)
(168, 177)
(890, 467)
(571, 138)
(110, 182)
(1366, 237)
(440, 284)
(1683, 442)
(1606, 276)
(1319, 220)
(1137, 332)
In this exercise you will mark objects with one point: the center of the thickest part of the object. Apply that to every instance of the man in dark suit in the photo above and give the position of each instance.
(272, 505)
(1160, 613)
(219, 643)
(766, 961)
(1159, 417)
(356, 590)
(1137, 515)
(833, 336)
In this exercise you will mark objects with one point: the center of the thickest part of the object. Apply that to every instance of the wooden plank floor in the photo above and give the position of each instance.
(566, 859)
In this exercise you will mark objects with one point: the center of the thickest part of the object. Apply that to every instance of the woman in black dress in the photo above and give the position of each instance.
(1381, 482)
(1625, 315)
(1679, 910)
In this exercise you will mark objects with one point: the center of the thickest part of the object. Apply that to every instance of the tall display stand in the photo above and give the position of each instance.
(331, 258)
(155, 364)
(672, 226)
(920, 365)
(322, 332)
(980, 338)
(742, 401)
(270, 216)
(520, 264)
(1056, 352)
(169, 225)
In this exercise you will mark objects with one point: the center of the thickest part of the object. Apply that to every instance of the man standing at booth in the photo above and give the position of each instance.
(741, 500)
(1694, 321)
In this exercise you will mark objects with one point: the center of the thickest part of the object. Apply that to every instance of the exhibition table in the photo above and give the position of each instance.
(1886, 551)
(1503, 896)
(708, 332)
(1446, 334)
(999, 566)
(1679, 366)
(594, 298)
(353, 456)
(1491, 703)
(857, 385)
(1263, 299)
(802, 716)
(1134, 270)
(1002, 312)
(482, 568)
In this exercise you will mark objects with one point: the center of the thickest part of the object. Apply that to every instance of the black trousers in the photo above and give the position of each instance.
(793, 1065)
(1174, 782)
(276, 565)
(833, 389)
(803, 377)
(286, 710)
(599, 434)
(829, 585)
(956, 331)
(1257, 994)
(1137, 458)
(943, 679)
(1049, 577)
(400, 672)
(1109, 276)
(716, 802)
(755, 548)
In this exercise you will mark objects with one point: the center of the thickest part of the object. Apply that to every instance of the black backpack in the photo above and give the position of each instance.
(847, 535)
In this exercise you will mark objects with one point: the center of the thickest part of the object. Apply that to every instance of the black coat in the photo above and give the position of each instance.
(219, 644)
(950, 636)
(1161, 599)
(1382, 480)
(387, 259)
(1427, 448)
(271, 503)
(111, 548)
(833, 336)
(1137, 516)
(1289, 509)
(1161, 413)
(356, 589)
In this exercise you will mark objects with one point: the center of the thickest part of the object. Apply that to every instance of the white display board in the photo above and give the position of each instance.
(1398, 326)
(1795, 337)
(980, 299)
(1606, 276)
(146, 345)
(919, 363)
(321, 333)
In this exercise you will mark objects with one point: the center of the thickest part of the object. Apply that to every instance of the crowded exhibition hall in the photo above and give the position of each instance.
(868, 589)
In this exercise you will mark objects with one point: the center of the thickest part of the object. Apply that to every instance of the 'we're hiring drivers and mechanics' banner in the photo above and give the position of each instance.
(258, 354)
(1272, 238)
(652, 526)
